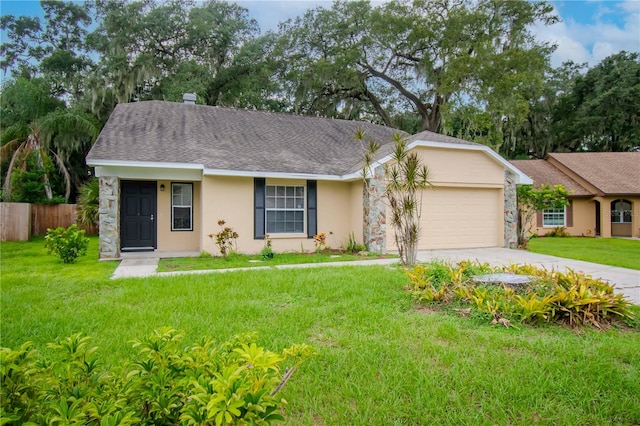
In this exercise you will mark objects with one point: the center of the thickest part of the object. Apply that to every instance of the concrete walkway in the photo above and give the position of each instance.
(626, 281)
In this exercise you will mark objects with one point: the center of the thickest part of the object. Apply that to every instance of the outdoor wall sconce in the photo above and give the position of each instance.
(162, 187)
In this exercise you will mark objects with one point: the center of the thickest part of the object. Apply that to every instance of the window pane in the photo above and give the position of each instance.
(270, 202)
(285, 209)
(182, 218)
(181, 205)
(553, 217)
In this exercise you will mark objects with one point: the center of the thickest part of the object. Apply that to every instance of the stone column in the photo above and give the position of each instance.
(375, 213)
(510, 210)
(109, 216)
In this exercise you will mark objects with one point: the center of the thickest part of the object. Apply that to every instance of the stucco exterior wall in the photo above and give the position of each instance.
(456, 167)
(169, 240)
(584, 219)
(356, 210)
(231, 199)
(335, 216)
(465, 207)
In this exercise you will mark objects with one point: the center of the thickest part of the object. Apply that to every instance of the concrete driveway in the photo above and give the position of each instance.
(626, 281)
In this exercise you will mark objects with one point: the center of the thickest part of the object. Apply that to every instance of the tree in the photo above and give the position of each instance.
(38, 126)
(532, 200)
(601, 112)
(405, 180)
(160, 50)
(54, 49)
(358, 61)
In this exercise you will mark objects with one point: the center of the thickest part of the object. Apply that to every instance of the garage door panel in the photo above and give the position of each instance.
(458, 218)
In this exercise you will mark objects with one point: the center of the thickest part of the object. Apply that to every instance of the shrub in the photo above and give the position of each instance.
(352, 246)
(225, 239)
(571, 298)
(235, 382)
(267, 250)
(558, 231)
(320, 241)
(67, 244)
(88, 202)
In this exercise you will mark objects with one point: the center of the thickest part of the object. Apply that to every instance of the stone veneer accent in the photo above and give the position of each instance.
(510, 210)
(109, 216)
(375, 213)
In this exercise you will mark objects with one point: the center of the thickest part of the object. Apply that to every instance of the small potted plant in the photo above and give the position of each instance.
(267, 251)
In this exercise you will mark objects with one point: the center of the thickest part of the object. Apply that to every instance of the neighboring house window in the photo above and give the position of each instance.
(621, 211)
(181, 206)
(553, 217)
(285, 209)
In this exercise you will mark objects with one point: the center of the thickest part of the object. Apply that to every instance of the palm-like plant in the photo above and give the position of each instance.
(88, 203)
(35, 123)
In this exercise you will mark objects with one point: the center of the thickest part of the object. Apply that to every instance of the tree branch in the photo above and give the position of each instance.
(423, 109)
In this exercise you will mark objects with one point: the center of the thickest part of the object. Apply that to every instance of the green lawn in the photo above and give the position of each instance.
(247, 261)
(380, 361)
(606, 251)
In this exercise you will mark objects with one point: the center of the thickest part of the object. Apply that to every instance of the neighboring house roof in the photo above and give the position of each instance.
(587, 173)
(610, 172)
(222, 140)
(544, 173)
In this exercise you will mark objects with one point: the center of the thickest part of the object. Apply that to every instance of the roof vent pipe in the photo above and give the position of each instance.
(189, 98)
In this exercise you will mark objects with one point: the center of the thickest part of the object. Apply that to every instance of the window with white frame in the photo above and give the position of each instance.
(621, 211)
(181, 207)
(285, 208)
(552, 218)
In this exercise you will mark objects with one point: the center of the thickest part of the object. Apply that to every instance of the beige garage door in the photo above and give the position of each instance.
(459, 218)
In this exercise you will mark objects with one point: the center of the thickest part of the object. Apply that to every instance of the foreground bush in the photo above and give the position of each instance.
(205, 384)
(571, 298)
(67, 244)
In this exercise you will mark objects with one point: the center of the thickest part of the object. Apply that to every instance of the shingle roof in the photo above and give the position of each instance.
(611, 172)
(238, 140)
(544, 173)
(428, 136)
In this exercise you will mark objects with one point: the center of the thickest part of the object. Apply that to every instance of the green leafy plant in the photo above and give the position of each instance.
(225, 239)
(67, 244)
(532, 200)
(267, 251)
(88, 202)
(352, 246)
(558, 231)
(235, 382)
(571, 298)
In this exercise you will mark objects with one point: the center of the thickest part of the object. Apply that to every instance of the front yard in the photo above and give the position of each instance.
(606, 251)
(380, 361)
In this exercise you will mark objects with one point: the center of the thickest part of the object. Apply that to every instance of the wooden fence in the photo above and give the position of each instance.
(15, 221)
(21, 220)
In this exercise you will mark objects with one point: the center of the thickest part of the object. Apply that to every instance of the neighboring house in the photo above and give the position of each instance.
(605, 192)
(169, 171)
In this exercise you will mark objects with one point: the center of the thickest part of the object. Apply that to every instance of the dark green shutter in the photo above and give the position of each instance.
(259, 185)
(312, 208)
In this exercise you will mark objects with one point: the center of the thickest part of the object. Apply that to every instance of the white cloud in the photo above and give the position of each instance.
(614, 29)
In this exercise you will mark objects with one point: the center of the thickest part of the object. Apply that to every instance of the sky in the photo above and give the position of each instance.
(589, 31)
